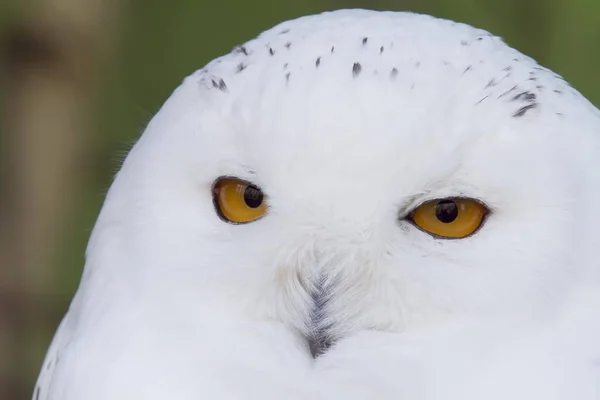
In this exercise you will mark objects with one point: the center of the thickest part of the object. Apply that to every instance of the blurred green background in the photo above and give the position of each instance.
(79, 79)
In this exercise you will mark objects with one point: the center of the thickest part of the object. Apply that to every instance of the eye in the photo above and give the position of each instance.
(449, 218)
(238, 201)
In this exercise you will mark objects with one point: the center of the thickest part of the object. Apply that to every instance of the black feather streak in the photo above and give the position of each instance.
(523, 110)
(271, 51)
(381, 50)
(525, 96)
(480, 101)
(240, 67)
(318, 62)
(491, 83)
(508, 91)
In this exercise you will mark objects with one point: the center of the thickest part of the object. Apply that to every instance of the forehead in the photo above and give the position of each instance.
(365, 85)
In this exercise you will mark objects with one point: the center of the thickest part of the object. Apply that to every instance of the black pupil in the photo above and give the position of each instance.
(446, 211)
(253, 197)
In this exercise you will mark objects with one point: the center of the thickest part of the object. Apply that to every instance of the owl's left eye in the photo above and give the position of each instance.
(450, 218)
(237, 201)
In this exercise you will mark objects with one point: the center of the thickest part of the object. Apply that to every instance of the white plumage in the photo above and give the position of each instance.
(348, 121)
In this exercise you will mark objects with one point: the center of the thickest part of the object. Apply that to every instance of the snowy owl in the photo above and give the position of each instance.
(354, 205)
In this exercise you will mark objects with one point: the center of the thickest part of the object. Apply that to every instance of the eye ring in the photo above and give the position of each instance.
(449, 218)
(237, 201)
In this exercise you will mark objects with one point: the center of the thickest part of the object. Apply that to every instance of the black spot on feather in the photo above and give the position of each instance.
(356, 68)
(241, 49)
(491, 83)
(219, 85)
(240, 67)
(365, 40)
(318, 62)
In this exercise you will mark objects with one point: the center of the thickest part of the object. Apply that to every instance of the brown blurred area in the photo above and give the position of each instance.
(79, 79)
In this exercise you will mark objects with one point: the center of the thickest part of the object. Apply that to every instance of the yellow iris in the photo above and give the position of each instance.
(238, 201)
(449, 218)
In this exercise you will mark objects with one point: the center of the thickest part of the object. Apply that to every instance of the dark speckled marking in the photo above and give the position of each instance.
(271, 51)
(287, 77)
(288, 45)
(283, 32)
(381, 50)
(365, 40)
(464, 43)
(491, 83)
(332, 49)
(356, 68)
(285, 66)
(469, 68)
(394, 73)
(558, 91)
(240, 67)
(318, 62)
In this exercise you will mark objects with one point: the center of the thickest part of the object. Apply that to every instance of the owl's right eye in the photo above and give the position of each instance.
(237, 201)
(450, 218)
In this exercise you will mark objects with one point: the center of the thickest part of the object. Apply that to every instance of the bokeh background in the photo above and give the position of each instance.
(79, 80)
